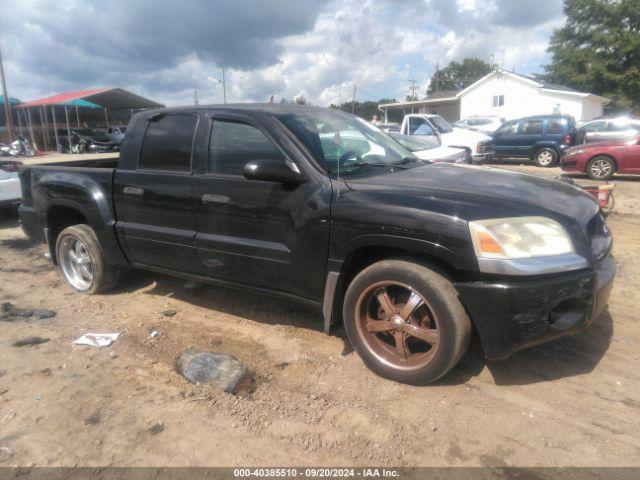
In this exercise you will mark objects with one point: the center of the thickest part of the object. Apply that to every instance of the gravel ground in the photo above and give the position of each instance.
(574, 402)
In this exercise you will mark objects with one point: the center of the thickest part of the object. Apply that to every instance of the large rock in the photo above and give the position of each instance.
(220, 369)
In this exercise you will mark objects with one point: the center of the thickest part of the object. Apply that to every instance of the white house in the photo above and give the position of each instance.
(508, 95)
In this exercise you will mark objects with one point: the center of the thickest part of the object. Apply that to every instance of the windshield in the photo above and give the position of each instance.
(441, 124)
(337, 139)
(414, 143)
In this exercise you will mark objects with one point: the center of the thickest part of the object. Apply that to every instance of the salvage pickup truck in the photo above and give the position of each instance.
(319, 206)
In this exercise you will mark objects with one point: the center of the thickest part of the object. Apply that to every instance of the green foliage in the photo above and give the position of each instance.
(459, 75)
(598, 51)
(367, 110)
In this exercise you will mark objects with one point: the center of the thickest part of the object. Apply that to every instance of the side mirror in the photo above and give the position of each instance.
(272, 170)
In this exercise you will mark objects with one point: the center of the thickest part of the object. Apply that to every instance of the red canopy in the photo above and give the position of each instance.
(111, 98)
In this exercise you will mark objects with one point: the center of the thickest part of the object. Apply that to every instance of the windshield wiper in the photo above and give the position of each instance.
(407, 160)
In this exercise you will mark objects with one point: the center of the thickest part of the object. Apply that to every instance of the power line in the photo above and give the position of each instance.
(413, 82)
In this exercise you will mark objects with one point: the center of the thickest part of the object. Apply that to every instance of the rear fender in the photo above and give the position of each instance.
(90, 197)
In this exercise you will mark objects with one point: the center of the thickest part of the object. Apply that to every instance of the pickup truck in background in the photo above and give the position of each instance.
(319, 206)
(476, 144)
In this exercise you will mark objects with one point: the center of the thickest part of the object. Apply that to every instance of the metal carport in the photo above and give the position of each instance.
(108, 98)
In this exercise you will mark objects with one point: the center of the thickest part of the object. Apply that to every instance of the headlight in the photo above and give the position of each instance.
(571, 153)
(519, 237)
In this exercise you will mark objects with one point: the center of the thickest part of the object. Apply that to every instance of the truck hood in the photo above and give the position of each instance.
(469, 192)
(463, 136)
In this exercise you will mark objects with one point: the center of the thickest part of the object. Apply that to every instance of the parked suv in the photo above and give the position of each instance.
(542, 138)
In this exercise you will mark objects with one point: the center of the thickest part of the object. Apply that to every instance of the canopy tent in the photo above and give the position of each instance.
(12, 101)
(109, 98)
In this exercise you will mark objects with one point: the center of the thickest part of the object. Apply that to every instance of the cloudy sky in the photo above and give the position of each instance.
(167, 49)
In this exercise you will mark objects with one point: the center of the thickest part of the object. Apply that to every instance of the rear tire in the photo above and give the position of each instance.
(545, 157)
(405, 321)
(82, 263)
(601, 168)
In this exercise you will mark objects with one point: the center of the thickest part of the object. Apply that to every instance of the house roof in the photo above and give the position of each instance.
(435, 97)
(534, 81)
(111, 98)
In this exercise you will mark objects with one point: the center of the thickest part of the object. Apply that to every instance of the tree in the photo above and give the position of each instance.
(458, 75)
(598, 51)
(366, 109)
(300, 99)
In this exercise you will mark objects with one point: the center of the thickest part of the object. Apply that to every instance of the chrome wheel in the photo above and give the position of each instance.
(601, 168)
(397, 325)
(545, 158)
(76, 263)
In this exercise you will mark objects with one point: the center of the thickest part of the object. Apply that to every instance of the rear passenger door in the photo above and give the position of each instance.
(556, 129)
(529, 134)
(155, 200)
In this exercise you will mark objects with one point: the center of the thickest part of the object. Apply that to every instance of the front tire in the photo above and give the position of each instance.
(545, 157)
(405, 321)
(81, 261)
(601, 168)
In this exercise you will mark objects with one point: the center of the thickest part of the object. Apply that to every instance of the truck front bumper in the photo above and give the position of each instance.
(482, 157)
(516, 314)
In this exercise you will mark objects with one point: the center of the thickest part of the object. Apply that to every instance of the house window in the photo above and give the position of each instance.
(498, 101)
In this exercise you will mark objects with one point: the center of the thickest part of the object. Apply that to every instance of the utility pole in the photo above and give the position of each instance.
(195, 97)
(437, 76)
(7, 107)
(353, 101)
(224, 86)
(413, 87)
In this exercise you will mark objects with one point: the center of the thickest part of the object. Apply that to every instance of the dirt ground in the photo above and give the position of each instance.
(574, 402)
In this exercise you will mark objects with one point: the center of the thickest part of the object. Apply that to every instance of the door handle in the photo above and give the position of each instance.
(133, 191)
(213, 198)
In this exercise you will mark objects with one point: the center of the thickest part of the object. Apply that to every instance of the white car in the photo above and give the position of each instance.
(10, 193)
(430, 149)
(487, 124)
(476, 144)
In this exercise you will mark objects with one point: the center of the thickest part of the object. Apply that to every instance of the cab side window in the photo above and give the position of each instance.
(168, 142)
(232, 145)
(555, 127)
(420, 126)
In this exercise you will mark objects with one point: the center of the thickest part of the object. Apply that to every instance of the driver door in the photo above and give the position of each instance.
(258, 233)
(505, 139)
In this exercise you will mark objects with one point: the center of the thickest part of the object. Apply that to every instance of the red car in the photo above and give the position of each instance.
(601, 160)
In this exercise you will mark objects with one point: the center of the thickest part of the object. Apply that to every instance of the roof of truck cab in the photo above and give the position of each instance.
(271, 108)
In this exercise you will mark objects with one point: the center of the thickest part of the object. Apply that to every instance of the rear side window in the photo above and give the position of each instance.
(531, 127)
(233, 145)
(555, 127)
(618, 126)
(167, 143)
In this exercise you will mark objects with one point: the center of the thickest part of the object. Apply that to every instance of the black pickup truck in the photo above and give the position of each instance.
(318, 206)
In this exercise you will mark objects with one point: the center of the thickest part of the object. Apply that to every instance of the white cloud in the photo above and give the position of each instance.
(378, 45)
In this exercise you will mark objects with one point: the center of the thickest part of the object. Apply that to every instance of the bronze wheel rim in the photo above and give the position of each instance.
(397, 325)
